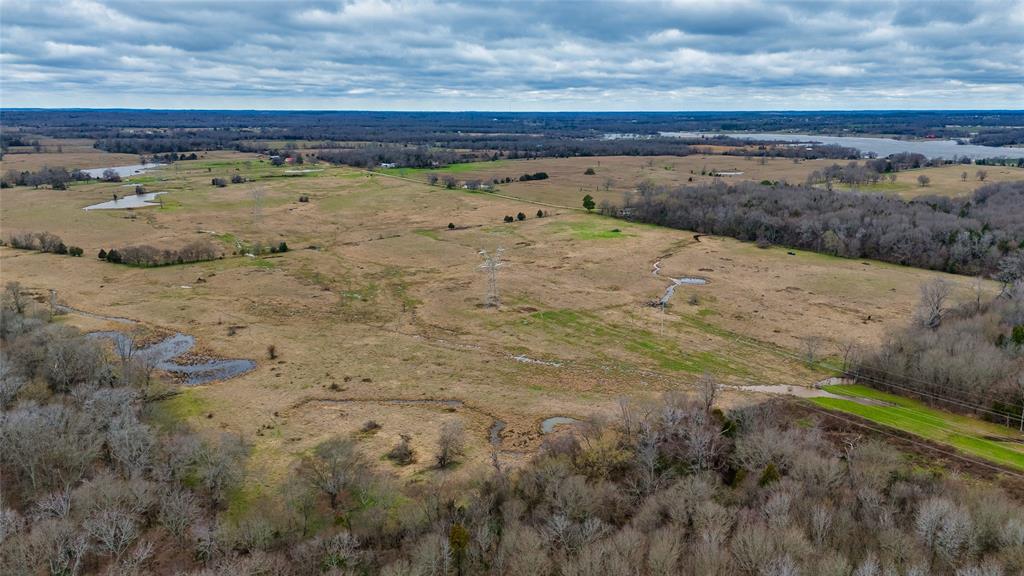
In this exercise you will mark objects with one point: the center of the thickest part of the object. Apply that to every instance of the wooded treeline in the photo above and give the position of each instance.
(965, 357)
(961, 235)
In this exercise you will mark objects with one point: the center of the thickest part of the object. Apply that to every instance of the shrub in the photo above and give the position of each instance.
(114, 256)
(74, 251)
(219, 182)
(303, 198)
(509, 219)
(282, 247)
(402, 453)
(520, 216)
(102, 254)
(237, 179)
(451, 226)
(588, 202)
(589, 172)
(451, 444)
(770, 475)
(540, 213)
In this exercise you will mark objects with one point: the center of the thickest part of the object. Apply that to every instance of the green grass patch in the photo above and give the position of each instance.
(967, 434)
(592, 229)
(187, 405)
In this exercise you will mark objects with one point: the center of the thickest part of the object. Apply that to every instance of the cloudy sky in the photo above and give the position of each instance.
(514, 55)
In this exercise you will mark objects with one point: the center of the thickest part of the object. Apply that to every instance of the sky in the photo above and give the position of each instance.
(512, 56)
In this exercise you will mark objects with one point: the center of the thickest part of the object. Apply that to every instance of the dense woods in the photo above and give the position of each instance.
(967, 236)
(672, 486)
(965, 357)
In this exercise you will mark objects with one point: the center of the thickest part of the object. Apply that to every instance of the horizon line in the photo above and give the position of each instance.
(507, 112)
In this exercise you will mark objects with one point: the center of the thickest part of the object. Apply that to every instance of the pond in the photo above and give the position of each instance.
(880, 146)
(127, 201)
(162, 356)
(548, 425)
(123, 171)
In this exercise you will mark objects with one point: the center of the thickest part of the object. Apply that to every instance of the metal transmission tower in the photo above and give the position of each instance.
(491, 264)
(257, 197)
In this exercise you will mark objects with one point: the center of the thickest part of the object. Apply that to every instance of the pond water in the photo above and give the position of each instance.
(684, 281)
(163, 353)
(880, 146)
(123, 171)
(127, 201)
(548, 425)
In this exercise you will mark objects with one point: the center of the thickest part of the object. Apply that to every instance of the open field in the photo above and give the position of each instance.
(945, 180)
(72, 153)
(69, 153)
(379, 301)
(970, 435)
(615, 175)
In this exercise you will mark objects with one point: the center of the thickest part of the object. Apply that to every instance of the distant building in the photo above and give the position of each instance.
(387, 164)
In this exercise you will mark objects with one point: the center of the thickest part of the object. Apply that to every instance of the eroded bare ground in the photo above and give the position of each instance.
(378, 300)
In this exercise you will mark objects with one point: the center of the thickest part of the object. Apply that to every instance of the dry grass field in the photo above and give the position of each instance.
(69, 153)
(944, 180)
(378, 301)
(616, 175)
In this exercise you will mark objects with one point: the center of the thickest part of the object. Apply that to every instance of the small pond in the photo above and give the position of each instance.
(122, 171)
(548, 425)
(127, 201)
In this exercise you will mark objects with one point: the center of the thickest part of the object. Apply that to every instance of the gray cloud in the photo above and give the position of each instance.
(435, 54)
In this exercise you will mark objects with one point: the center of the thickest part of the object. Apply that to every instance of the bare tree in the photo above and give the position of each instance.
(932, 305)
(923, 181)
(981, 174)
(334, 467)
(177, 511)
(809, 348)
(14, 298)
(450, 444)
(848, 350)
(708, 387)
(113, 529)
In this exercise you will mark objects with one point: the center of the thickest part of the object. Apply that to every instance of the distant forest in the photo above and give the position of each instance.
(515, 135)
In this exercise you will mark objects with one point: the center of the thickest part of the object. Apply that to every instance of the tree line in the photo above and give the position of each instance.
(961, 235)
(964, 357)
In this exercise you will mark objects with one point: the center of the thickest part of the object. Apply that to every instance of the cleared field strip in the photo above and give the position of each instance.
(989, 441)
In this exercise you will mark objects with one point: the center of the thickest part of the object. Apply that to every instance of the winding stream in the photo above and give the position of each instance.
(676, 282)
(162, 355)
